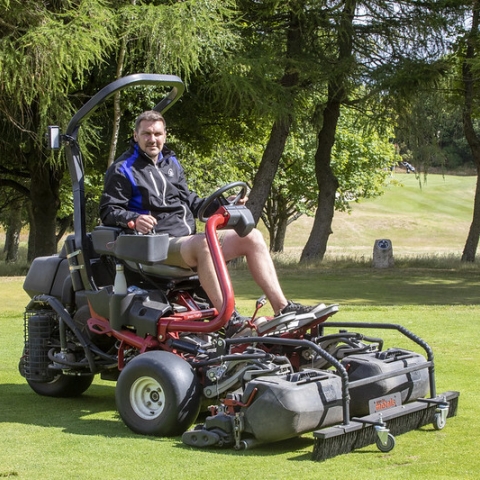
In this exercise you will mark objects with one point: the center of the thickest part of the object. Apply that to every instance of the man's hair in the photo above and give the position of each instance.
(149, 116)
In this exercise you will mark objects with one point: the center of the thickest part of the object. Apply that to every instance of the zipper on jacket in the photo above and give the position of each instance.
(164, 181)
(185, 220)
(156, 186)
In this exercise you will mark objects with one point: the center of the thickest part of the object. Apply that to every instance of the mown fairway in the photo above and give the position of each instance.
(45, 438)
(433, 218)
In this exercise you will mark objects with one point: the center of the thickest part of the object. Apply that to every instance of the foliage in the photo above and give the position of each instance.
(362, 158)
(46, 53)
(429, 131)
(174, 37)
(54, 55)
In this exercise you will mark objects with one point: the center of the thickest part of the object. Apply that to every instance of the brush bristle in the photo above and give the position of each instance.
(347, 442)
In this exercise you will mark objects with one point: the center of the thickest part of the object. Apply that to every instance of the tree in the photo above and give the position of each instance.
(429, 129)
(161, 37)
(55, 54)
(383, 47)
(469, 72)
(258, 82)
(11, 217)
(324, 57)
(361, 161)
(45, 50)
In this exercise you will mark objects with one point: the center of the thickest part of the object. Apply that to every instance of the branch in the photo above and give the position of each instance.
(16, 173)
(16, 186)
(3, 23)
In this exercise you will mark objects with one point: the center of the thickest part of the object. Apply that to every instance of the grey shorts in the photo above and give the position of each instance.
(175, 258)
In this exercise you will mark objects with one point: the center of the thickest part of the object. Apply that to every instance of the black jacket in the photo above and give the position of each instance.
(134, 186)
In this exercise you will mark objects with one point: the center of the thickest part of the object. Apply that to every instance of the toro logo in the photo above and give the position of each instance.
(384, 403)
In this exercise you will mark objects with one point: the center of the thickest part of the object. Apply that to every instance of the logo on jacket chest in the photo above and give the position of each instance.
(168, 172)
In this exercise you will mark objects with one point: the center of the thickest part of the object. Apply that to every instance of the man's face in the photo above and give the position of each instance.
(151, 137)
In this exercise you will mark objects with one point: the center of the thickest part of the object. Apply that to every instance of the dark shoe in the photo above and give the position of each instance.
(298, 309)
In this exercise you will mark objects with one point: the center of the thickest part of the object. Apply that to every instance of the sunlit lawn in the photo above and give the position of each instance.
(45, 438)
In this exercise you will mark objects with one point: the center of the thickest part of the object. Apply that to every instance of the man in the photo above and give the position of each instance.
(146, 188)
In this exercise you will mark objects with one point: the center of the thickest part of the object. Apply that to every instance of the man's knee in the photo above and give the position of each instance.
(194, 249)
(256, 237)
(234, 246)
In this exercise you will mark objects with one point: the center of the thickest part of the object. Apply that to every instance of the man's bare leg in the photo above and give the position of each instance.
(260, 264)
(196, 254)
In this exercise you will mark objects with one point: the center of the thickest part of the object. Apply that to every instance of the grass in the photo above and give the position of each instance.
(45, 438)
(428, 219)
(429, 291)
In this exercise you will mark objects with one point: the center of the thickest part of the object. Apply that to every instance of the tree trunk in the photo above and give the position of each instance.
(316, 245)
(117, 109)
(268, 167)
(45, 202)
(470, 249)
(63, 225)
(280, 234)
(281, 127)
(12, 234)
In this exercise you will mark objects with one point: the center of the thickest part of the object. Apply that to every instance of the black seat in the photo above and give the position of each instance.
(139, 252)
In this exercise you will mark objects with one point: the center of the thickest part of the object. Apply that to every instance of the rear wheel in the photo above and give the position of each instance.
(60, 385)
(158, 393)
(35, 365)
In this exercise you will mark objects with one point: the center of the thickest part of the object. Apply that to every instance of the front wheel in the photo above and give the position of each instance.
(439, 421)
(388, 445)
(158, 393)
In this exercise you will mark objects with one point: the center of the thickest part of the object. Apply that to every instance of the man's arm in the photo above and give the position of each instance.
(114, 202)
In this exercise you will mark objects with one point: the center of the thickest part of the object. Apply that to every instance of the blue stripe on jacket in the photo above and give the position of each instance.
(135, 202)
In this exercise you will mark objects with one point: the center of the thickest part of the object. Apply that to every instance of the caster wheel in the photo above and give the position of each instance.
(388, 445)
(439, 421)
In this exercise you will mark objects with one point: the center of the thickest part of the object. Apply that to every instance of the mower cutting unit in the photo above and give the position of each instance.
(173, 355)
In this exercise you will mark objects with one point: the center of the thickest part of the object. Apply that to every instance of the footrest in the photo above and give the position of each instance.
(292, 321)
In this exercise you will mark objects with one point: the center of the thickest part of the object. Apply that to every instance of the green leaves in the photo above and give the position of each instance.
(48, 54)
(175, 38)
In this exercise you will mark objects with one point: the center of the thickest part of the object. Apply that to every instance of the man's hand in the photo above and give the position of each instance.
(145, 223)
(241, 201)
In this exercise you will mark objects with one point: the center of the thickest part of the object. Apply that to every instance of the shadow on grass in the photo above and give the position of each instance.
(93, 413)
(300, 447)
(381, 287)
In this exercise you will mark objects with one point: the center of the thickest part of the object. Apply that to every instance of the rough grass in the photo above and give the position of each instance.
(421, 217)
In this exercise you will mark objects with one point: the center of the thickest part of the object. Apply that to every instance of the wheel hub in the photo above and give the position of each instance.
(147, 398)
